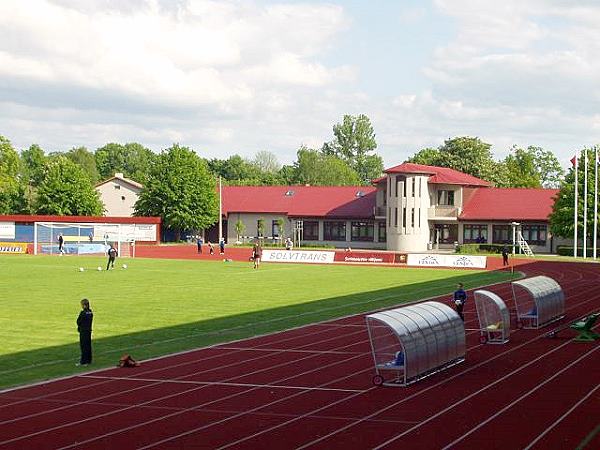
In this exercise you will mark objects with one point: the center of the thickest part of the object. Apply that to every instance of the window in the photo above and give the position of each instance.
(362, 231)
(395, 217)
(117, 187)
(414, 187)
(412, 217)
(534, 234)
(123, 197)
(420, 187)
(446, 198)
(275, 232)
(311, 230)
(445, 234)
(475, 233)
(382, 237)
(502, 234)
(260, 227)
(389, 216)
(403, 217)
(334, 231)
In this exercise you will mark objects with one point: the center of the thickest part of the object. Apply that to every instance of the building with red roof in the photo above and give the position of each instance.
(412, 208)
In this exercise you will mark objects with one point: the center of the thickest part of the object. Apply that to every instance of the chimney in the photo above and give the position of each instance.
(119, 175)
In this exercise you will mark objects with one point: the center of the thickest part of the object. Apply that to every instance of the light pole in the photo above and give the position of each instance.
(514, 228)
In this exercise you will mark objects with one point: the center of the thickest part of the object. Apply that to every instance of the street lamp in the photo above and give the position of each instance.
(514, 228)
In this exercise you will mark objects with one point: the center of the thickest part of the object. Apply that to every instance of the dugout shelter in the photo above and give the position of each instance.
(493, 316)
(413, 342)
(538, 300)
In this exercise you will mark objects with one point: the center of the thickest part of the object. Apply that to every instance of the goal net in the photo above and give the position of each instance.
(82, 238)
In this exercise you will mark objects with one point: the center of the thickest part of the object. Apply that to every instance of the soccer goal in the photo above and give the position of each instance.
(82, 238)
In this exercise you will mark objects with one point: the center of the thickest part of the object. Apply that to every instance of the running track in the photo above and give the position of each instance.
(311, 388)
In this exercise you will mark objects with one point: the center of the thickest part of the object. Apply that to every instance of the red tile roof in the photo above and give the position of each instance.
(301, 201)
(439, 175)
(509, 204)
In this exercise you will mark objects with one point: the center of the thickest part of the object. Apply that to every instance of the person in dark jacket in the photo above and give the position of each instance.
(61, 243)
(112, 255)
(505, 256)
(460, 297)
(84, 327)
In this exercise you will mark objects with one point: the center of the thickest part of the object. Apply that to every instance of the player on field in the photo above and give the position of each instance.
(84, 327)
(112, 255)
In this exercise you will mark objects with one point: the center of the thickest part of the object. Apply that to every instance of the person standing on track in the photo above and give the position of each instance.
(84, 327)
(505, 256)
(460, 297)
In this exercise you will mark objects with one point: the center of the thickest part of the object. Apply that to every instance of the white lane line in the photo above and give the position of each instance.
(561, 418)
(514, 402)
(154, 400)
(218, 383)
(90, 401)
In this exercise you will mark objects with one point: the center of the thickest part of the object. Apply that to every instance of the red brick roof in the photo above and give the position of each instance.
(301, 201)
(518, 204)
(439, 175)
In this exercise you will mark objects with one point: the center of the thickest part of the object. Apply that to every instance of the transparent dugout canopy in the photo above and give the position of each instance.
(415, 341)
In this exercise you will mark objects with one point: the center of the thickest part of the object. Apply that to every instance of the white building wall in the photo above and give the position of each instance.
(119, 197)
(404, 199)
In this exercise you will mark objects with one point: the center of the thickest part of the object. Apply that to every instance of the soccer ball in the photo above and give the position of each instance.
(124, 266)
(99, 268)
(81, 269)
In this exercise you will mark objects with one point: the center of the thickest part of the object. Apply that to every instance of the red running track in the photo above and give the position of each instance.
(311, 388)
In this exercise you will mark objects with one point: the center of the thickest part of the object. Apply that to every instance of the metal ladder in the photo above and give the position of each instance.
(523, 245)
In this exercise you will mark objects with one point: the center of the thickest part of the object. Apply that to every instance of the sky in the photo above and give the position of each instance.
(242, 76)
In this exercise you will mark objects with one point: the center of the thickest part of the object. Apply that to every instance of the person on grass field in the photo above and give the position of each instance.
(61, 243)
(112, 255)
(256, 254)
(84, 327)
(460, 297)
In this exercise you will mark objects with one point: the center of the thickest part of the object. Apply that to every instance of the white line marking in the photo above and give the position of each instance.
(217, 383)
(508, 406)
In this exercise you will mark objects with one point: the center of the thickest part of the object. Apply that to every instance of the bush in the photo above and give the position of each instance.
(470, 249)
(564, 250)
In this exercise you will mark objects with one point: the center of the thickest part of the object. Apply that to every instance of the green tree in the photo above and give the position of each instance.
(318, 169)
(521, 169)
(469, 155)
(66, 190)
(240, 227)
(266, 161)
(9, 158)
(181, 190)
(354, 142)
(561, 218)
(33, 160)
(428, 157)
(133, 160)
(84, 159)
(12, 191)
(547, 166)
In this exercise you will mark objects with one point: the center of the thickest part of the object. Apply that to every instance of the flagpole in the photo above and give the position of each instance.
(220, 211)
(575, 209)
(595, 198)
(585, 202)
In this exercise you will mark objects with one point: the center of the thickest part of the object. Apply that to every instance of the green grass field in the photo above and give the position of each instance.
(155, 307)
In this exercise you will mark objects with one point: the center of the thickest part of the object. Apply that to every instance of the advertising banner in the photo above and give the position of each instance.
(462, 261)
(298, 256)
(7, 230)
(364, 257)
(13, 247)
